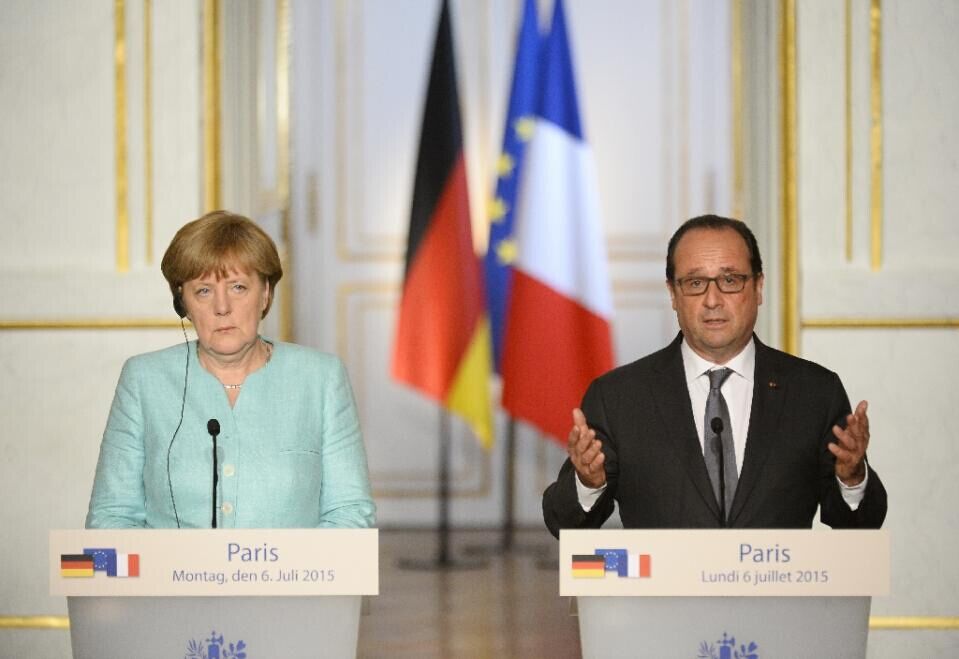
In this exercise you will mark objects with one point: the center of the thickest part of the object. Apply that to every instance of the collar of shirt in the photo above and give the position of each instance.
(742, 365)
(737, 390)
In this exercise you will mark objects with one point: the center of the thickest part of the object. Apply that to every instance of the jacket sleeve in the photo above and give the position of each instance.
(118, 499)
(345, 499)
(561, 507)
(834, 511)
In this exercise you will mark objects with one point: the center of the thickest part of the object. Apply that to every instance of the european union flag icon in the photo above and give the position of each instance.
(617, 560)
(104, 560)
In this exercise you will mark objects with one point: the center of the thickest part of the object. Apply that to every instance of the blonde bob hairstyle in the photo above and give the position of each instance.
(217, 243)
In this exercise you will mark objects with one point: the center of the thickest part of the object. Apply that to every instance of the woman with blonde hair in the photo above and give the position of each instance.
(231, 430)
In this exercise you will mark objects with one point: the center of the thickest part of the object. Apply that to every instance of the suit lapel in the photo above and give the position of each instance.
(769, 392)
(672, 401)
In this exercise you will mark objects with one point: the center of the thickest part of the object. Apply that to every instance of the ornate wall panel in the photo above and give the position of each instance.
(913, 447)
(99, 165)
(891, 168)
(57, 134)
(83, 219)
(379, 89)
(876, 181)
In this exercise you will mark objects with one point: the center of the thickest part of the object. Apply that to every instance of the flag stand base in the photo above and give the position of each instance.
(548, 564)
(504, 549)
(439, 564)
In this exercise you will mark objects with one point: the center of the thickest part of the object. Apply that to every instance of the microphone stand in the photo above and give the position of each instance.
(718, 447)
(213, 427)
(717, 427)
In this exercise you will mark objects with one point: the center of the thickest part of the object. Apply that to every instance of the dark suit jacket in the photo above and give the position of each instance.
(654, 460)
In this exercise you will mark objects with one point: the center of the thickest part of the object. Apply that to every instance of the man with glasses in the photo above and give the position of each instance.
(717, 429)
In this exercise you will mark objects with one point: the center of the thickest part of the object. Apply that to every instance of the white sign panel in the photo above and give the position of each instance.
(727, 562)
(207, 562)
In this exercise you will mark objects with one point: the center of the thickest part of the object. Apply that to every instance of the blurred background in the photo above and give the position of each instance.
(828, 126)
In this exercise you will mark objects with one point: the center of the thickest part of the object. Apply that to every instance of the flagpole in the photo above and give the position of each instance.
(509, 474)
(507, 544)
(444, 559)
(443, 552)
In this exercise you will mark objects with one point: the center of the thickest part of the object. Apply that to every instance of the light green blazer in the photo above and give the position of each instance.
(290, 453)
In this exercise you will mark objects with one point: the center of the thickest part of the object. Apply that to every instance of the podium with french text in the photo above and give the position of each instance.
(724, 594)
(214, 594)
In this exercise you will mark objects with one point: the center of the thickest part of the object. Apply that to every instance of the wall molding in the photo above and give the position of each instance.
(120, 134)
(88, 323)
(884, 623)
(879, 323)
(212, 47)
(790, 216)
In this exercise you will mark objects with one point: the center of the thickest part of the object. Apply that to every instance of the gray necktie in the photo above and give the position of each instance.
(716, 407)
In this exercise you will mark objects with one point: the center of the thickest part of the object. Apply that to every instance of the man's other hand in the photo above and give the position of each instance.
(850, 449)
(585, 452)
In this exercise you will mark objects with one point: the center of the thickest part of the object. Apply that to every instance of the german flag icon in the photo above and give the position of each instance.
(76, 565)
(588, 566)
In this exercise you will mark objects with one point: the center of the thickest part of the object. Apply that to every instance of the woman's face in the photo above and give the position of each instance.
(226, 311)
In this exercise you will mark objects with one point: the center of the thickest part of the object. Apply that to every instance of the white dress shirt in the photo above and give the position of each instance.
(738, 392)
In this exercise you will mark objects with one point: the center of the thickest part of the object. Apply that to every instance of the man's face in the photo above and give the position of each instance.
(716, 325)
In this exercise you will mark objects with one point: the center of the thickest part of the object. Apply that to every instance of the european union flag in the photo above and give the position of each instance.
(501, 251)
(617, 560)
(104, 560)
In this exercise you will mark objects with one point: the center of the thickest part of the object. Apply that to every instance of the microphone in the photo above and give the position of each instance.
(717, 426)
(213, 427)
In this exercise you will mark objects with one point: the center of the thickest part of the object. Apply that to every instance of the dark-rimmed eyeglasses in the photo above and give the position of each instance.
(727, 283)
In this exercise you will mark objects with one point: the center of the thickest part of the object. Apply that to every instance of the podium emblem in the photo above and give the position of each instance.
(726, 649)
(215, 647)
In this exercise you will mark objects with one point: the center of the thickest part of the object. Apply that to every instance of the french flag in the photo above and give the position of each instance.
(128, 565)
(558, 335)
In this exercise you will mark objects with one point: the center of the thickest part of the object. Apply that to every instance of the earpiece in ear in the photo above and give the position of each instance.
(178, 304)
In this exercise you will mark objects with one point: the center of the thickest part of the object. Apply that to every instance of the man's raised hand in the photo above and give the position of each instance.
(585, 452)
(850, 449)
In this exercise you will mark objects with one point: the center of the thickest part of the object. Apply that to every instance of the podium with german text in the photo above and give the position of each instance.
(214, 594)
(720, 594)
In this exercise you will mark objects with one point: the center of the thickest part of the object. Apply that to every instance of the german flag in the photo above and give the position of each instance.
(443, 346)
(589, 566)
(76, 565)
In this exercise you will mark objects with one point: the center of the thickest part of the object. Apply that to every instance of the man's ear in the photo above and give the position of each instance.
(672, 293)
